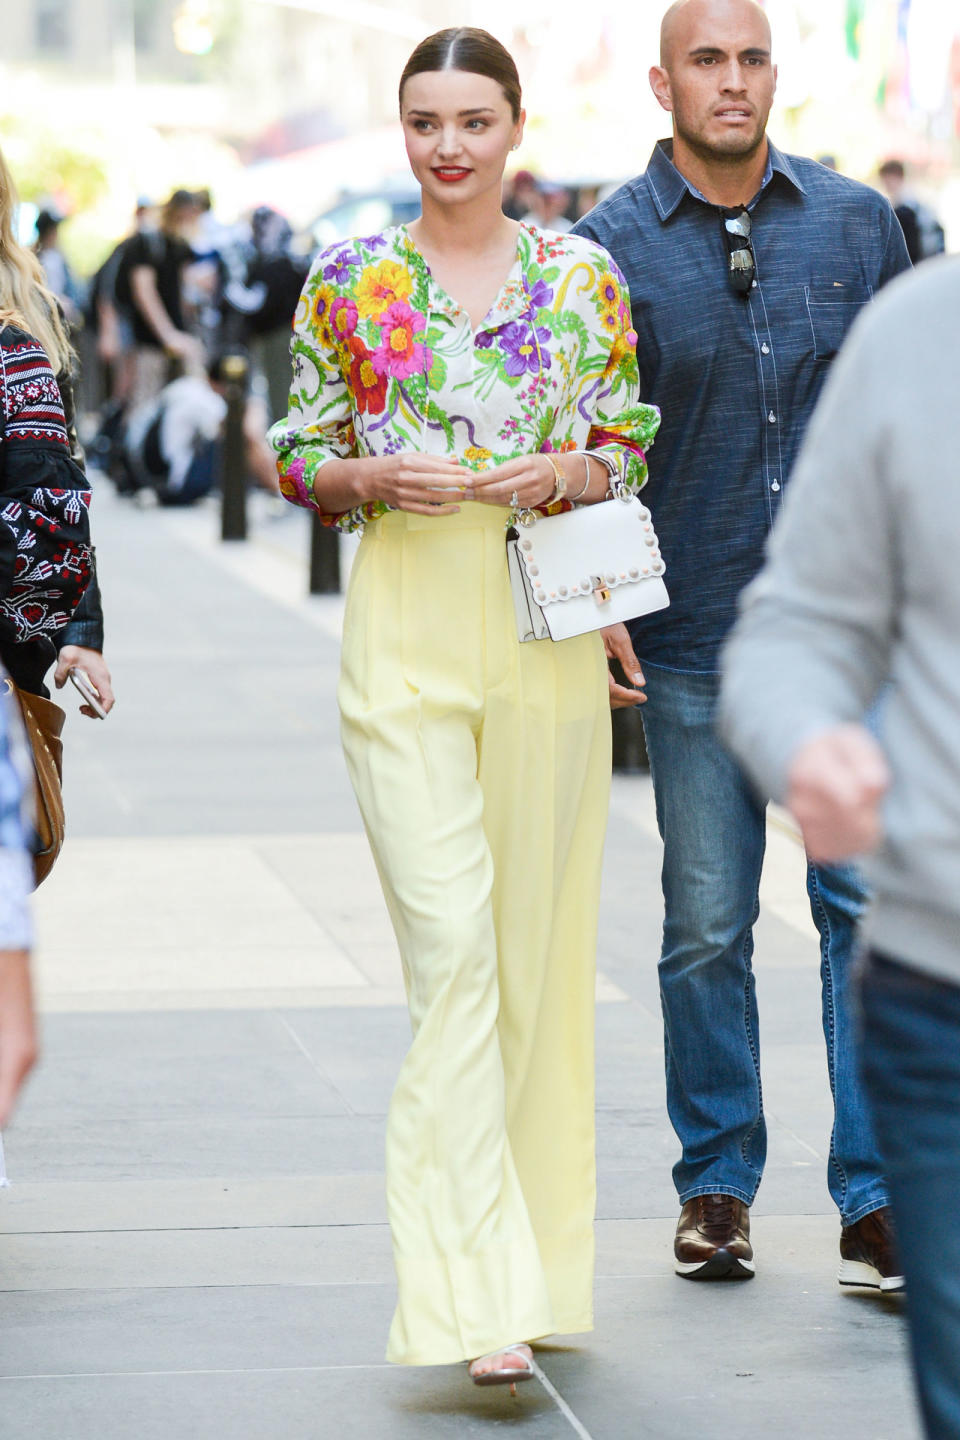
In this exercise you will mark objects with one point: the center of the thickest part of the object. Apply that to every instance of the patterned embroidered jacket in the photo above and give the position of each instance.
(385, 360)
(44, 501)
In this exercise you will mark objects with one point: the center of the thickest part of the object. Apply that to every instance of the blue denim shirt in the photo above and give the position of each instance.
(736, 379)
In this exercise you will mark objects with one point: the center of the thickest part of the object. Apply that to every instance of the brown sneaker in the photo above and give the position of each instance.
(868, 1253)
(713, 1239)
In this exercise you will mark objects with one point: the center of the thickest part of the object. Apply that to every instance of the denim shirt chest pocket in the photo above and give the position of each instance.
(831, 310)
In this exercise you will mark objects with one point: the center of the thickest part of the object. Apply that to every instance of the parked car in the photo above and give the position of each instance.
(366, 213)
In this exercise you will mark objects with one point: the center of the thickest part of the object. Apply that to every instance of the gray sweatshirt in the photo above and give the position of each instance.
(862, 585)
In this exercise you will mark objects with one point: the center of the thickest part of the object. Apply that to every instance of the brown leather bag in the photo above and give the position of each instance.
(43, 722)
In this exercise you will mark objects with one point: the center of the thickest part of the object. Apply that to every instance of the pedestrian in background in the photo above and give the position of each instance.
(549, 208)
(448, 374)
(746, 268)
(110, 315)
(46, 564)
(150, 281)
(39, 337)
(57, 273)
(861, 595)
(520, 195)
(922, 230)
(261, 277)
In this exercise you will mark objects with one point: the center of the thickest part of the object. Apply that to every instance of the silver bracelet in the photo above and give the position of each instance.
(607, 461)
(586, 483)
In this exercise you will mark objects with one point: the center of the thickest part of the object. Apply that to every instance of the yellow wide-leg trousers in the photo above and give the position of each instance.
(482, 770)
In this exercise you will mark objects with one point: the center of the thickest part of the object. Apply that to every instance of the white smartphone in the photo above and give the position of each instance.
(81, 680)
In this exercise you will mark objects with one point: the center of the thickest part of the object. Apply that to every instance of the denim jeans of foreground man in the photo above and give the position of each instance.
(911, 1064)
(713, 828)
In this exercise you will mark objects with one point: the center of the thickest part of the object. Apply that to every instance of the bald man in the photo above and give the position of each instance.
(746, 267)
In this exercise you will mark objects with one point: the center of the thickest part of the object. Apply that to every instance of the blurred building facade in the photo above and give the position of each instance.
(249, 63)
(292, 101)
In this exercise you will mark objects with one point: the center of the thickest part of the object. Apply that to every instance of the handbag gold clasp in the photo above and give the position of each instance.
(601, 591)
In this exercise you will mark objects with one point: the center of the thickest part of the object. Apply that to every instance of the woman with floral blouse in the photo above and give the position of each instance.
(448, 373)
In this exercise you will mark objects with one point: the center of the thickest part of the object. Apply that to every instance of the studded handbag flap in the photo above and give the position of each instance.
(584, 569)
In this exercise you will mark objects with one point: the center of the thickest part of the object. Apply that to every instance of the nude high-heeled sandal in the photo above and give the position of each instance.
(511, 1375)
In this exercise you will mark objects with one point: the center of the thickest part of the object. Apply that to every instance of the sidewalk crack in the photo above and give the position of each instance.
(315, 1065)
(561, 1404)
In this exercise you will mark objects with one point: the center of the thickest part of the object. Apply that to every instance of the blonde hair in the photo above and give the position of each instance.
(24, 297)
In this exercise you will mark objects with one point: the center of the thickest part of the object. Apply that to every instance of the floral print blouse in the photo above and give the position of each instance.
(386, 361)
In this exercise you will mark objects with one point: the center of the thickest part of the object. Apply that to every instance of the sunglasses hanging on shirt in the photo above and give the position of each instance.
(741, 264)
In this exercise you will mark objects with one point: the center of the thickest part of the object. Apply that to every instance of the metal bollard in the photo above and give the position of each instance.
(233, 477)
(324, 558)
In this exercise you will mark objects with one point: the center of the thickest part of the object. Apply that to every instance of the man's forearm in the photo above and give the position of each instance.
(787, 677)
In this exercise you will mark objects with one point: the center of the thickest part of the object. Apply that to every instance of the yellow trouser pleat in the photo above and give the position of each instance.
(482, 772)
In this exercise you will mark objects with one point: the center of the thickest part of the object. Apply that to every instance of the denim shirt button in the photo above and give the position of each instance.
(764, 348)
(775, 485)
(772, 418)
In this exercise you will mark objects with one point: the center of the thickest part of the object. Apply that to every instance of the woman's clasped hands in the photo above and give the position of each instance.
(523, 482)
(420, 484)
(433, 484)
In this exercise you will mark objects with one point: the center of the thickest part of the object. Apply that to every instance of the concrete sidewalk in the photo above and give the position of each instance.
(194, 1242)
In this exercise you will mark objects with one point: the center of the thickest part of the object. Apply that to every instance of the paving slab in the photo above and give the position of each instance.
(285, 1255)
(92, 1088)
(165, 1149)
(800, 1249)
(136, 1034)
(212, 1202)
(347, 1404)
(774, 1357)
(110, 1331)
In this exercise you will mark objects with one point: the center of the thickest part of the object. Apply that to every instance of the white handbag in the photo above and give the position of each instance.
(584, 569)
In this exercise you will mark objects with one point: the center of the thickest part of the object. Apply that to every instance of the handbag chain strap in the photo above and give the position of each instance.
(618, 491)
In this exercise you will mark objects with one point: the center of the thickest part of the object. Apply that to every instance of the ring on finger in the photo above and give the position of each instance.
(514, 500)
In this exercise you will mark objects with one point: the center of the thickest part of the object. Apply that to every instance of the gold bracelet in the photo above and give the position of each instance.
(559, 476)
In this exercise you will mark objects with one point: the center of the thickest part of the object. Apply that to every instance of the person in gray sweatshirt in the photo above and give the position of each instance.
(858, 612)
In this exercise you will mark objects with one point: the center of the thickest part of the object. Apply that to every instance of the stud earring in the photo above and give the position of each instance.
(515, 147)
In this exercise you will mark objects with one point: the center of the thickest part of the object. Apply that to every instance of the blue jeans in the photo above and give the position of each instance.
(911, 1066)
(713, 828)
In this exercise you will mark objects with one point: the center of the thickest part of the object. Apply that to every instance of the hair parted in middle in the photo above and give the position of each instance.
(465, 48)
